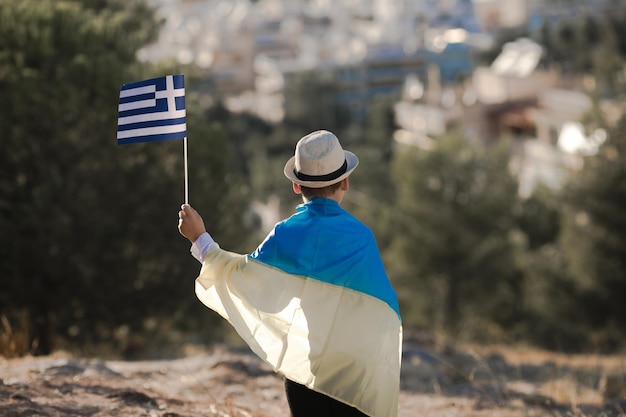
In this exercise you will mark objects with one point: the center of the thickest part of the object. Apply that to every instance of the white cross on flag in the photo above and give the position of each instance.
(152, 110)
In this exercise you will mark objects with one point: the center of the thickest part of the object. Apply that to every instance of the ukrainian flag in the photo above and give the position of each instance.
(314, 302)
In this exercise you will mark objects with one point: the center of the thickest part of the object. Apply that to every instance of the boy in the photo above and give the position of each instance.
(313, 300)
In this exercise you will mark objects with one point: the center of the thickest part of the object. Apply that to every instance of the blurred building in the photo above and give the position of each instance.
(249, 49)
(507, 90)
(538, 110)
(493, 14)
(417, 49)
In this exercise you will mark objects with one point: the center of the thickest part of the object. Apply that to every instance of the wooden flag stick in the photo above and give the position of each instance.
(186, 172)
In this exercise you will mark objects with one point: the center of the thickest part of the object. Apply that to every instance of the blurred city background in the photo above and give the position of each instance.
(491, 134)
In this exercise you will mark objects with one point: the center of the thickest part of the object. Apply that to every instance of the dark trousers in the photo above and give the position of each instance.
(304, 402)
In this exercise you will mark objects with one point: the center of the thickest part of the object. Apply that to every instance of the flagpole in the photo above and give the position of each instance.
(186, 171)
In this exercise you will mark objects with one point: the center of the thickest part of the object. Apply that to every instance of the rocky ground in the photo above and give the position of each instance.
(436, 382)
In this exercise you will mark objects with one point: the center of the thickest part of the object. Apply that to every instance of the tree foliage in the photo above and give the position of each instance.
(89, 229)
(594, 236)
(588, 45)
(455, 237)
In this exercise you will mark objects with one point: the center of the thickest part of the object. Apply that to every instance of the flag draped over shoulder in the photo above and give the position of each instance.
(319, 310)
(152, 110)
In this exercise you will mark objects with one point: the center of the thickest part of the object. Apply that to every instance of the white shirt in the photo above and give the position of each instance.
(202, 245)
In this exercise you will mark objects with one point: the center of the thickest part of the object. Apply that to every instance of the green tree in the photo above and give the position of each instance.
(454, 246)
(587, 37)
(90, 247)
(608, 61)
(594, 235)
(588, 44)
(310, 103)
(59, 62)
(552, 318)
(372, 191)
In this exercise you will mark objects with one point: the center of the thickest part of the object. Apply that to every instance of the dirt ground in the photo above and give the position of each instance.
(436, 382)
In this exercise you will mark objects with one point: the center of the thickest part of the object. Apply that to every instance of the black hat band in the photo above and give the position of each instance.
(326, 177)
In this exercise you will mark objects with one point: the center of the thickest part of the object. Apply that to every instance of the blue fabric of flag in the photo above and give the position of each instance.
(152, 110)
(322, 241)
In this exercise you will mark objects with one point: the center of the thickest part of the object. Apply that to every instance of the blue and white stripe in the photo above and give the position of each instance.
(152, 110)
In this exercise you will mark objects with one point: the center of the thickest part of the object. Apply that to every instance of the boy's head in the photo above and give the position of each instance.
(319, 162)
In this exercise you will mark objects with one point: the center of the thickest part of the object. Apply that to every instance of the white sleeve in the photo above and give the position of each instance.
(202, 245)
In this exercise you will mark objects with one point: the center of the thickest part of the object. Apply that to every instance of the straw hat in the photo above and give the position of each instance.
(319, 161)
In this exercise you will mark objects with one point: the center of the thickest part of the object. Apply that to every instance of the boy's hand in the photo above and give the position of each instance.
(190, 224)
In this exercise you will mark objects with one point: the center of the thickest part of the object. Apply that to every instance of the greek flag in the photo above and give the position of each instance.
(152, 110)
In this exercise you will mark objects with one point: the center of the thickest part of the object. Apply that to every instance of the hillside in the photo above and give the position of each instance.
(437, 381)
